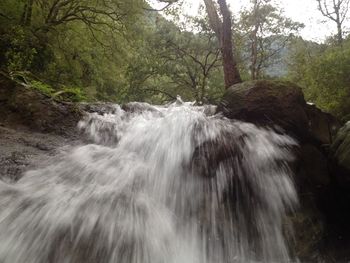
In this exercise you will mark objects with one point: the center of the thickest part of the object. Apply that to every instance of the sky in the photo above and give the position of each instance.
(317, 27)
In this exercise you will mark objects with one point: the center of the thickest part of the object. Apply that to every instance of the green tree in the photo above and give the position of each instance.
(266, 32)
(71, 42)
(323, 73)
(176, 62)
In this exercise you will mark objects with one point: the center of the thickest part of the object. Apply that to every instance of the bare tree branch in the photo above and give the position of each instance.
(336, 11)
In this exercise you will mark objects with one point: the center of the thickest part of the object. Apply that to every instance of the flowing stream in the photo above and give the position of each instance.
(160, 184)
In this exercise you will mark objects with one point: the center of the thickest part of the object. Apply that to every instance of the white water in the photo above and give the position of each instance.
(168, 184)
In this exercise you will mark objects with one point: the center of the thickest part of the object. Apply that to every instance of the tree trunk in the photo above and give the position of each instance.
(254, 42)
(223, 31)
(231, 73)
(339, 34)
(337, 13)
(24, 13)
(26, 18)
(203, 85)
(214, 20)
(254, 53)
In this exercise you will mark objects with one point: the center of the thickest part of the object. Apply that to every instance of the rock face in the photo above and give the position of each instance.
(321, 125)
(272, 103)
(22, 106)
(321, 231)
(335, 203)
(32, 128)
(21, 149)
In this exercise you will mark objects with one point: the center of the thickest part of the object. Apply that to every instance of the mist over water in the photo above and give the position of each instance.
(171, 184)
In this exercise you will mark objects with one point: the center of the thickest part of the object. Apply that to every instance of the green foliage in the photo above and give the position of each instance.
(42, 87)
(114, 50)
(170, 61)
(88, 49)
(323, 72)
(64, 93)
(18, 53)
(331, 88)
(74, 94)
(263, 34)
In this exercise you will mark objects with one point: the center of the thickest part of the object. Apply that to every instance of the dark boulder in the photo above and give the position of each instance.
(280, 103)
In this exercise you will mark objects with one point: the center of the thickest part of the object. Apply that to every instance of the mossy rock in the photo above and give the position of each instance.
(23, 106)
(340, 152)
(278, 104)
(268, 103)
(260, 90)
(341, 147)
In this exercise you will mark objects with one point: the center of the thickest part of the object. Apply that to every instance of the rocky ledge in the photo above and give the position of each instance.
(34, 126)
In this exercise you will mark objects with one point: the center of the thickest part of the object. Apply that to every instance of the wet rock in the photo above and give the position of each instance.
(136, 107)
(99, 108)
(210, 110)
(209, 154)
(22, 149)
(96, 130)
(13, 165)
(43, 147)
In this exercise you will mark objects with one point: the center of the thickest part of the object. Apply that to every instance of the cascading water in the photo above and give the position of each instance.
(167, 184)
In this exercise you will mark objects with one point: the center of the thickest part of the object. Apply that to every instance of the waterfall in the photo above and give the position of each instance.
(156, 184)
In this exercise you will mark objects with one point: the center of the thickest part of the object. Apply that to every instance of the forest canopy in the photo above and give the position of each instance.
(129, 50)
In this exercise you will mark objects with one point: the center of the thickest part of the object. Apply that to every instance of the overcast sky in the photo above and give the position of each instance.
(304, 11)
